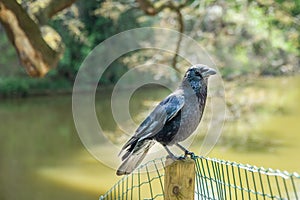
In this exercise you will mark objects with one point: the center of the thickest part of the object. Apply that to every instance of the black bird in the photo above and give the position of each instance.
(172, 121)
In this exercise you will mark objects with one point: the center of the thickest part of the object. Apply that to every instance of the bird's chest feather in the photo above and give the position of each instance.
(190, 118)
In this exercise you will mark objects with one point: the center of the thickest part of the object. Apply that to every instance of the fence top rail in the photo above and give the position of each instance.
(253, 168)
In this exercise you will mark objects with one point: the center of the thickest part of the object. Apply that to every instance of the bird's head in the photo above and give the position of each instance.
(199, 72)
(197, 77)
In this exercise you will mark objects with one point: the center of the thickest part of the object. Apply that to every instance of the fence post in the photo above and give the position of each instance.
(179, 179)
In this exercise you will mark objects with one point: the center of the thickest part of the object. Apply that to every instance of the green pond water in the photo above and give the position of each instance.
(42, 157)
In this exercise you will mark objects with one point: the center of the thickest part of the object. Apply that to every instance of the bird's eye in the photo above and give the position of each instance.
(197, 73)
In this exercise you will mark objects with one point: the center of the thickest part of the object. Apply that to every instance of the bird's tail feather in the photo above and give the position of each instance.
(131, 159)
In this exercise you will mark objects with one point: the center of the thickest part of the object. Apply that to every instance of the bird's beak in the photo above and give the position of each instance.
(208, 72)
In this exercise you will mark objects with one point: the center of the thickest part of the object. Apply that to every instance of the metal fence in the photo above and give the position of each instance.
(215, 180)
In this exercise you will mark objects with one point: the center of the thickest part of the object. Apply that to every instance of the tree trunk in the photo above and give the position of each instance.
(39, 47)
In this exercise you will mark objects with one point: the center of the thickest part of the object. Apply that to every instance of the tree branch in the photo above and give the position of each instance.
(180, 29)
(147, 7)
(150, 9)
(39, 48)
(43, 10)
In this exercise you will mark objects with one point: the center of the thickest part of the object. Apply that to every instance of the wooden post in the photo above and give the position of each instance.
(179, 179)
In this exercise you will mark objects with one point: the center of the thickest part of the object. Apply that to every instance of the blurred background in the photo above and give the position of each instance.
(255, 45)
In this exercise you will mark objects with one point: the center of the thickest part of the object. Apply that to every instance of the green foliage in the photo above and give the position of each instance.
(96, 29)
(250, 37)
(11, 87)
(9, 65)
(245, 38)
(24, 86)
(81, 29)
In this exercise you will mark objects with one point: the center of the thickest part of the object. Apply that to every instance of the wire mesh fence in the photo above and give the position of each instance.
(145, 183)
(218, 179)
(215, 180)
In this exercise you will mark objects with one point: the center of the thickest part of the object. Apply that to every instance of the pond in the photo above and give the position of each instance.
(42, 157)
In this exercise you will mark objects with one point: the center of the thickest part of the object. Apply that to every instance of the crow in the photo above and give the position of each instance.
(172, 121)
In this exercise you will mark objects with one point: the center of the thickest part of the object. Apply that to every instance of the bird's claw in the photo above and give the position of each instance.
(186, 154)
(191, 154)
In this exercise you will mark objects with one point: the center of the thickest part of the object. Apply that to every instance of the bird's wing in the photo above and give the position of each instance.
(164, 112)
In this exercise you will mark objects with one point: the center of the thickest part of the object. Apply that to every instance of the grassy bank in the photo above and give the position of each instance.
(16, 87)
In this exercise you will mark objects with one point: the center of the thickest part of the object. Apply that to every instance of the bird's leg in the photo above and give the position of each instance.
(186, 152)
(171, 155)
